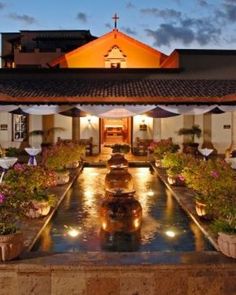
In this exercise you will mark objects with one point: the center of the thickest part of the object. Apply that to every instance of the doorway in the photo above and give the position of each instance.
(116, 130)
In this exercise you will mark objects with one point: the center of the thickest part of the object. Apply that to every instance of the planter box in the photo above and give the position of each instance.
(62, 177)
(227, 244)
(38, 209)
(10, 246)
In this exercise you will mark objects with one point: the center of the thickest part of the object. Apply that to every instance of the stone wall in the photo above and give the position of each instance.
(120, 274)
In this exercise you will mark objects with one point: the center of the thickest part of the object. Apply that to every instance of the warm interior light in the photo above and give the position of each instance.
(170, 233)
(150, 194)
(136, 223)
(88, 194)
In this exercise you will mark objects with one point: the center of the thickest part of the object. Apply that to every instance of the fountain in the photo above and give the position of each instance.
(120, 212)
(119, 177)
(117, 159)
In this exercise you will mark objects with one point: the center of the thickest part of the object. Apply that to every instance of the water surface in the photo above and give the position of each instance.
(76, 225)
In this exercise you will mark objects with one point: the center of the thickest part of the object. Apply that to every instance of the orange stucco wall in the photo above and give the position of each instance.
(92, 54)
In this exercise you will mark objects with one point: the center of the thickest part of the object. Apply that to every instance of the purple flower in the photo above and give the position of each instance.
(2, 198)
(215, 174)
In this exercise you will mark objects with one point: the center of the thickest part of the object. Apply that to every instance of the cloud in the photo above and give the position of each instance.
(129, 31)
(189, 30)
(2, 5)
(81, 16)
(167, 33)
(230, 10)
(24, 18)
(107, 25)
(202, 3)
(164, 13)
(130, 5)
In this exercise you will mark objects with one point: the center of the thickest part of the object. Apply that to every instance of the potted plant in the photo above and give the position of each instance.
(75, 153)
(120, 148)
(46, 134)
(56, 158)
(209, 179)
(175, 163)
(162, 147)
(11, 239)
(191, 146)
(39, 204)
(225, 223)
(29, 184)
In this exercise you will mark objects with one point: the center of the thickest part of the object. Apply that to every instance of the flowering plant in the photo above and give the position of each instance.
(8, 211)
(162, 147)
(29, 178)
(61, 154)
(213, 182)
(176, 162)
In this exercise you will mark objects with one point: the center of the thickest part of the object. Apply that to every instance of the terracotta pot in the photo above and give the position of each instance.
(175, 180)
(37, 209)
(158, 163)
(227, 244)
(121, 212)
(62, 177)
(200, 209)
(72, 165)
(11, 246)
(119, 177)
(117, 159)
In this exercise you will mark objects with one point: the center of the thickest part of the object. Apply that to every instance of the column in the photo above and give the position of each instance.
(76, 128)
(188, 121)
(47, 124)
(156, 129)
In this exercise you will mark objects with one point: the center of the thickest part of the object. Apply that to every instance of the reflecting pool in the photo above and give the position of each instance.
(76, 226)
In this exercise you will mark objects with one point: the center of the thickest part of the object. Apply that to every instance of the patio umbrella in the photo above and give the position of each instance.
(74, 112)
(160, 113)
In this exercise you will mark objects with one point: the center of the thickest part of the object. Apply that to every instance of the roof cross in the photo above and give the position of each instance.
(115, 18)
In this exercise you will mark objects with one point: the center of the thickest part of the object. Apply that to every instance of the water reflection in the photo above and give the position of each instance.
(120, 241)
(161, 215)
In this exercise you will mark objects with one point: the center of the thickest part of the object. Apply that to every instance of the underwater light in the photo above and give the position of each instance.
(170, 233)
(73, 232)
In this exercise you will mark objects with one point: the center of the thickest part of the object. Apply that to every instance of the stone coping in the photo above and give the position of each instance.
(116, 260)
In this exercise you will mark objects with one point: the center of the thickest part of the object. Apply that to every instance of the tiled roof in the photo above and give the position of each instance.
(115, 91)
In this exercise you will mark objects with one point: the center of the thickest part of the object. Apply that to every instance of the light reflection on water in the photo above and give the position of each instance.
(165, 227)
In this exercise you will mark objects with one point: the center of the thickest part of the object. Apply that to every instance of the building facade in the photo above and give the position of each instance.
(26, 49)
(117, 81)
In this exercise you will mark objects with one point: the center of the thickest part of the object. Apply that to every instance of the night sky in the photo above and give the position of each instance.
(163, 24)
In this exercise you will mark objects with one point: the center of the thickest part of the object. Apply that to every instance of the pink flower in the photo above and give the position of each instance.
(181, 178)
(2, 198)
(19, 167)
(215, 174)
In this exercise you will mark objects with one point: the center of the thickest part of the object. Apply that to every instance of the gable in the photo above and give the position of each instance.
(129, 52)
